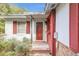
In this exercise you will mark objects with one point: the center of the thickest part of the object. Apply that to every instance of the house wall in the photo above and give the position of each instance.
(9, 30)
(8, 27)
(62, 23)
(74, 27)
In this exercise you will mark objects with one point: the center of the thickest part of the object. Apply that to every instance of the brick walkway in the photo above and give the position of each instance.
(40, 48)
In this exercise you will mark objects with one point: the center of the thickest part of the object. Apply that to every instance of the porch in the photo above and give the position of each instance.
(40, 31)
(43, 30)
(40, 48)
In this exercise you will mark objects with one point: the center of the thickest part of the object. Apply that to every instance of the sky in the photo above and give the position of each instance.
(32, 7)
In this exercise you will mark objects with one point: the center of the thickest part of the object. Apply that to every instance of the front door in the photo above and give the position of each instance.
(39, 31)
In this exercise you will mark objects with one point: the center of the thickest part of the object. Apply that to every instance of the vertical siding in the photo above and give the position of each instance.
(9, 27)
(62, 23)
(74, 19)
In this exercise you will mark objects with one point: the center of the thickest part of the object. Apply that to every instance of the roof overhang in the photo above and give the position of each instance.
(49, 7)
(12, 16)
(25, 15)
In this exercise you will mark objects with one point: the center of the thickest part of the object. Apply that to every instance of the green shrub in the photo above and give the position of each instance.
(19, 49)
(13, 46)
(22, 49)
(2, 53)
(3, 45)
(8, 45)
(11, 53)
(27, 41)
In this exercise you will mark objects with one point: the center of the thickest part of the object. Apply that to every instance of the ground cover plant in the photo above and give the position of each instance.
(14, 47)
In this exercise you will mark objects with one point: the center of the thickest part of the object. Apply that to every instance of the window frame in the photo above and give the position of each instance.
(18, 27)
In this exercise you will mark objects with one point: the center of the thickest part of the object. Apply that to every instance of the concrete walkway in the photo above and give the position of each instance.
(40, 48)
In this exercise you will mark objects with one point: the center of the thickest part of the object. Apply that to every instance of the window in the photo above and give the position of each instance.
(21, 27)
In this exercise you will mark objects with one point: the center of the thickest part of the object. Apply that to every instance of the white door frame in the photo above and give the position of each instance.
(34, 30)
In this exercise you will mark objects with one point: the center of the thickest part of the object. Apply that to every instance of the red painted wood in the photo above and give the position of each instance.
(74, 27)
(50, 33)
(39, 30)
(28, 27)
(48, 30)
(14, 27)
(52, 30)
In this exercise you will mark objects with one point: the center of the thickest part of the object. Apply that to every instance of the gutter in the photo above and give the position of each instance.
(50, 6)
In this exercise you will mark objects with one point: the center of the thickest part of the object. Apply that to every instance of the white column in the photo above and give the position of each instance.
(33, 31)
(44, 32)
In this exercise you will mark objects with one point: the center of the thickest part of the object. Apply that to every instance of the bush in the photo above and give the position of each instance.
(27, 41)
(7, 45)
(12, 44)
(15, 47)
(10, 53)
(22, 49)
(19, 50)
(3, 45)
(2, 53)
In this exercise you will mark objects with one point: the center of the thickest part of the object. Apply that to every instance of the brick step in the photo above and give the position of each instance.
(40, 54)
(40, 48)
(40, 51)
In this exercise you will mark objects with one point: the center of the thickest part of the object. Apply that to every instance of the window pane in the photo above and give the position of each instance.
(21, 27)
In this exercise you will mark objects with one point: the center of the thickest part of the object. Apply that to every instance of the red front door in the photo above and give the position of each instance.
(39, 31)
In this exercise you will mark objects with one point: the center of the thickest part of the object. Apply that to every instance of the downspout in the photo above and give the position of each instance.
(54, 7)
(31, 28)
(49, 7)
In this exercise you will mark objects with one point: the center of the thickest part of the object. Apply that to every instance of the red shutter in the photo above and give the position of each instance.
(28, 27)
(14, 27)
